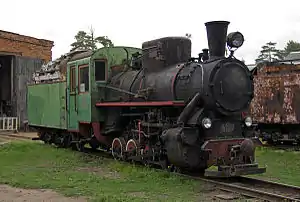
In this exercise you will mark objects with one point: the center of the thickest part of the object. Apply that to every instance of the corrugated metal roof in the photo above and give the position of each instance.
(293, 56)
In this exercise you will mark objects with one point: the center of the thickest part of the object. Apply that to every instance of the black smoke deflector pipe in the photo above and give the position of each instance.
(185, 114)
(216, 37)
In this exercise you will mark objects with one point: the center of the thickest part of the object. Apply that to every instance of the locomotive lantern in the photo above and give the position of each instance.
(163, 107)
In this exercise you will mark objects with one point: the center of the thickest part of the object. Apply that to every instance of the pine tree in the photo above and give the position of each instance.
(291, 46)
(88, 41)
(270, 53)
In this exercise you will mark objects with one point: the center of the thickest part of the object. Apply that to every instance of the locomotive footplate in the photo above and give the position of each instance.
(235, 170)
(233, 157)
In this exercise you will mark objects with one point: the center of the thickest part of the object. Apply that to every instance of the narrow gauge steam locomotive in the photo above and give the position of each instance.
(157, 105)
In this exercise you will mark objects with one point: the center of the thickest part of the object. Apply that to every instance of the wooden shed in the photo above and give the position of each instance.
(20, 57)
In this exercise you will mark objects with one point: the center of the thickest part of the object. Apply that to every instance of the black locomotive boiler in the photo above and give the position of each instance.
(176, 111)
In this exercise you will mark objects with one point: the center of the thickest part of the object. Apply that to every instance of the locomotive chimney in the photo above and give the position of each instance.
(216, 37)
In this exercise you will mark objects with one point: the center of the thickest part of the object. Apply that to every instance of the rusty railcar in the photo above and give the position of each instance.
(275, 108)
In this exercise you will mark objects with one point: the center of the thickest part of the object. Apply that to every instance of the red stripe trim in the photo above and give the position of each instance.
(140, 104)
(84, 122)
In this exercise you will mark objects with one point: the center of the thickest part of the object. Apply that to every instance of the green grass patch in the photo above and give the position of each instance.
(282, 166)
(35, 165)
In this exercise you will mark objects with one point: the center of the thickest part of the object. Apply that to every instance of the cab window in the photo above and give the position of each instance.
(100, 70)
(83, 78)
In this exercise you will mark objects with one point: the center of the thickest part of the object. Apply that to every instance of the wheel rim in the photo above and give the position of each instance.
(118, 148)
(80, 146)
(148, 151)
(94, 144)
(67, 140)
(47, 138)
(132, 147)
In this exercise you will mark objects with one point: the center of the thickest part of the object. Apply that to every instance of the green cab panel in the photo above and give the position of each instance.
(78, 92)
(117, 56)
(47, 105)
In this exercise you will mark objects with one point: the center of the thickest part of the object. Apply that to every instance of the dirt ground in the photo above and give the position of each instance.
(26, 134)
(9, 136)
(10, 194)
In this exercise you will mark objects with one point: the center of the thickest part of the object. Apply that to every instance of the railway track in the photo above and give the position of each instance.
(256, 188)
(245, 186)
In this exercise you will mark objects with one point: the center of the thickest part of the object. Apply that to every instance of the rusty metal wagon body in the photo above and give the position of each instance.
(276, 104)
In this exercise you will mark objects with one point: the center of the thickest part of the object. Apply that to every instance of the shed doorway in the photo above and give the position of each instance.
(6, 86)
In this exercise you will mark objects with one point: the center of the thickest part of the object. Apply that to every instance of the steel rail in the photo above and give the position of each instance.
(267, 192)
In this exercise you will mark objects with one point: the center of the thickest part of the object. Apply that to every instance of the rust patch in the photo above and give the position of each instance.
(222, 152)
(276, 94)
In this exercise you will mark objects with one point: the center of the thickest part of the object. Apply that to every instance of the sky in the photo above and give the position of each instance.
(132, 22)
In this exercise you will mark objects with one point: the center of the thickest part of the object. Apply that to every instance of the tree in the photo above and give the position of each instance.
(270, 53)
(291, 46)
(89, 41)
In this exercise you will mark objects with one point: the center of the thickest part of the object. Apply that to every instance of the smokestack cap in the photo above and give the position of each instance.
(217, 22)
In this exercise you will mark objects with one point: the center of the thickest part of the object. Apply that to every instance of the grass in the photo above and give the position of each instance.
(282, 166)
(35, 165)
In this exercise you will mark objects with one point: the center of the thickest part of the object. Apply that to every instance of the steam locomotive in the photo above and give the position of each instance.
(164, 107)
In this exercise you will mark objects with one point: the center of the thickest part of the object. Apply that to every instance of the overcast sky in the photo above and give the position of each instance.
(131, 22)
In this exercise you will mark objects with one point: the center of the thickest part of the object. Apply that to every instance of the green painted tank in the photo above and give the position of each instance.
(47, 105)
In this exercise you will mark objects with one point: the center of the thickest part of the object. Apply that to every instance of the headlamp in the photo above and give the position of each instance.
(235, 39)
(248, 121)
(206, 123)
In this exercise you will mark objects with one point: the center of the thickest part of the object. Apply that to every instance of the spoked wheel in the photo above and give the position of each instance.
(60, 141)
(94, 144)
(132, 148)
(118, 147)
(47, 138)
(175, 169)
(80, 146)
(147, 155)
(67, 141)
(77, 145)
